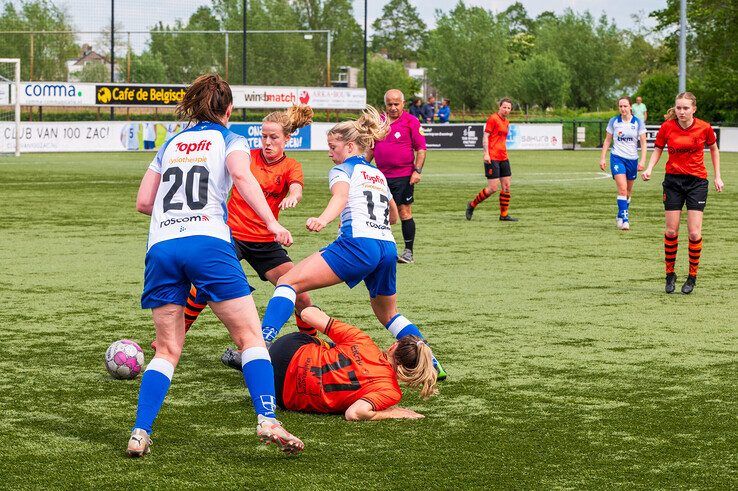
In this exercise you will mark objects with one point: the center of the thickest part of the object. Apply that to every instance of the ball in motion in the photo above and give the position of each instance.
(124, 359)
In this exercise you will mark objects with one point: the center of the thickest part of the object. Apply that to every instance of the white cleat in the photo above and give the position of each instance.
(269, 430)
(139, 443)
(625, 225)
(619, 223)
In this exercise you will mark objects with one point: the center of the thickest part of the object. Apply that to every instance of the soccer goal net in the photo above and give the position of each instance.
(9, 106)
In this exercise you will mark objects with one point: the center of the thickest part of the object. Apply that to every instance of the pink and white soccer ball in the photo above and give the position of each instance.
(124, 359)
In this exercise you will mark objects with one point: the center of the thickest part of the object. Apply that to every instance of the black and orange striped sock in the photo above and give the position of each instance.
(304, 326)
(671, 244)
(695, 250)
(504, 203)
(192, 309)
(483, 195)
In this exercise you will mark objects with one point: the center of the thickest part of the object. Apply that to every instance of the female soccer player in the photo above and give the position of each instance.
(185, 191)
(281, 181)
(624, 132)
(353, 376)
(365, 248)
(685, 181)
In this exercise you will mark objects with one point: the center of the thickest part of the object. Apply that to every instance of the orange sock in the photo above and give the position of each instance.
(671, 244)
(483, 195)
(695, 250)
(193, 309)
(504, 203)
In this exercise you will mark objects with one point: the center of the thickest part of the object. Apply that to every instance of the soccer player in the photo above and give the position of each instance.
(496, 164)
(365, 249)
(185, 191)
(281, 181)
(149, 136)
(352, 377)
(685, 181)
(400, 157)
(624, 132)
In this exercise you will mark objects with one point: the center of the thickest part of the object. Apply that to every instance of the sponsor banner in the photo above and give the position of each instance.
(299, 140)
(332, 98)
(652, 130)
(453, 136)
(56, 94)
(5, 92)
(728, 139)
(534, 137)
(320, 135)
(253, 97)
(138, 95)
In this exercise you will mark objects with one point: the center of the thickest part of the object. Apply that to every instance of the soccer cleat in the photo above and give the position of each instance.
(442, 375)
(619, 223)
(139, 443)
(671, 283)
(269, 430)
(688, 285)
(508, 218)
(232, 359)
(469, 211)
(625, 225)
(406, 257)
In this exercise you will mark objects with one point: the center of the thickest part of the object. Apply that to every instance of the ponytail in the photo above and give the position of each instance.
(414, 365)
(291, 119)
(207, 99)
(370, 128)
(671, 113)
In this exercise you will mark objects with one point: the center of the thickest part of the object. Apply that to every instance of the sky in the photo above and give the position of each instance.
(90, 15)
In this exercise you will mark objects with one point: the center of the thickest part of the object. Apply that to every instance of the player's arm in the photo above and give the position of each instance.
(294, 196)
(605, 147)
(419, 163)
(339, 332)
(485, 146)
(655, 156)
(644, 151)
(715, 156)
(147, 192)
(239, 167)
(337, 203)
(394, 213)
(362, 410)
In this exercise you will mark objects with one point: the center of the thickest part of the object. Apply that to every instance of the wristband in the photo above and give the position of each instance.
(419, 170)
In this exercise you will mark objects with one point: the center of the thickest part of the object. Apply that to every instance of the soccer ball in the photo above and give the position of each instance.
(124, 359)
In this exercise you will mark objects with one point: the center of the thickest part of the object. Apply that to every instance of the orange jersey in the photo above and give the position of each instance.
(686, 147)
(497, 128)
(328, 380)
(275, 179)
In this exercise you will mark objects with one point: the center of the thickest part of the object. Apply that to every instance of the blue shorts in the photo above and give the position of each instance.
(356, 258)
(619, 165)
(206, 262)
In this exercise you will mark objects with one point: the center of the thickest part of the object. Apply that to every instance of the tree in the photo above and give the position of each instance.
(521, 28)
(50, 51)
(541, 80)
(384, 74)
(467, 56)
(399, 32)
(94, 73)
(148, 68)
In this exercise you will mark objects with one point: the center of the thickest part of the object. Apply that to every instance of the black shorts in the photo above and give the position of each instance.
(683, 188)
(401, 189)
(281, 353)
(497, 168)
(262, 256)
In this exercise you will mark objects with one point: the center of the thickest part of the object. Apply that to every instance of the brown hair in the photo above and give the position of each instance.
(207, 99)
(371, 127)
(625, 97)
(414, 365)
(291, 119)
(504, 100)
(671, 113)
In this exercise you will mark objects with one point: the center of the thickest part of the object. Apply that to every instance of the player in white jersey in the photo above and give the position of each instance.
(365, 249)
(130, 136)
(149, 136)
(624, 131)
(185, 191)
(172, 129)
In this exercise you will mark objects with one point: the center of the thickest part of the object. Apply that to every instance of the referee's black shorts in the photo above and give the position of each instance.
(684, 188)
(402, 191)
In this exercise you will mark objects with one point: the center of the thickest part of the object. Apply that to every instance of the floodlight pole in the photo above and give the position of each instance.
(683, 46)
(365, 35)
(112, 51)
(243, 53)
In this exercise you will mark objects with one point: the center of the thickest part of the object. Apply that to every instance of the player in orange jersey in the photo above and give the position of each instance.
(685, 181)
(352, 377)
(281, 180)
(496, 164)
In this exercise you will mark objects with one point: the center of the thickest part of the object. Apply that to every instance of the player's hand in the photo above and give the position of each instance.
(602, 164)
(315, 224)
(641, 166)
(288, 202)
(646, 174)
(415, 178)
(487, 159)
(281, 234)
(719, 185)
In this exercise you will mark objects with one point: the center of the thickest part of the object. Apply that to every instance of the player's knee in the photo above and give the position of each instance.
(405, 213)
(671, 232)
(695, 236)
(302, 301)
(247, 338)
(491, 188)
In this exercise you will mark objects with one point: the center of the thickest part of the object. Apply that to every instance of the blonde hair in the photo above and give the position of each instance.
(414, 365)
(291, 119)
(371, 127)
(671, 113)
(207, 99)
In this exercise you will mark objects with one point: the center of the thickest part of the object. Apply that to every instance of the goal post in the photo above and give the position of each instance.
(10, 109)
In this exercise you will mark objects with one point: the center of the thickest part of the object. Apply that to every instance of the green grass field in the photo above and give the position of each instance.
(568, 365)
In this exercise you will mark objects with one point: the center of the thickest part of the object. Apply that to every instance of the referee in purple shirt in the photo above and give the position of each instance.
(400, 157)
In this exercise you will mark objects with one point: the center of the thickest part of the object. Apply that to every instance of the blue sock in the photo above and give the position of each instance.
(154, 387)
(279, 309)
(623, 207)
(258, 374)
(400, 327)
(626, 213)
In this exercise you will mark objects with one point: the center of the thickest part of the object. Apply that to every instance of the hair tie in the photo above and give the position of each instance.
(420, 343)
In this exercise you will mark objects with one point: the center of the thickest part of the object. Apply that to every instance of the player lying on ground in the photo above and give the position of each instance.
(354, 377)
(365, 249)
(185, 191)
